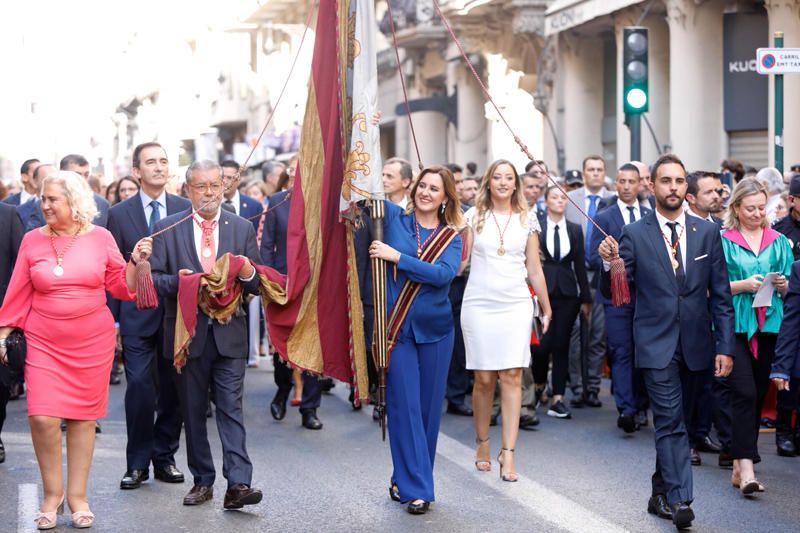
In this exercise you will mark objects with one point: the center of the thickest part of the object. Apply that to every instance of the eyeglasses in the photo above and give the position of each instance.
(203, 187)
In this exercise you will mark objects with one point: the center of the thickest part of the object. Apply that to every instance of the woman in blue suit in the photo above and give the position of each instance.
(424, 248)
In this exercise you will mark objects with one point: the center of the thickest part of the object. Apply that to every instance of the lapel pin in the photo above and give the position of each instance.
(226, 222)
(694, 228)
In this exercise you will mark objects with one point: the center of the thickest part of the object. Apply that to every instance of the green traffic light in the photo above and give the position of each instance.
(636, 98)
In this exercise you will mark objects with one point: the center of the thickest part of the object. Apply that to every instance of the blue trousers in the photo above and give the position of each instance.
(415, 387)
(619, 329)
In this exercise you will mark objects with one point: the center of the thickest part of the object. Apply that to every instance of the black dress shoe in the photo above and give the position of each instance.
(351, 398)
(420, 507)
(278, 407)
(725, 460)
(310, 420)
(592, 400)
(641, 419)
(626, 423)
(394, 492)
(460, 409)
(694, 457)
(493, 420)
(785, 444)
(240, 495)
(376, 413)
(682, 515)
(577, 402)
(198, 494)
(657, 505)
(709, 445)
(133, 479)
(326, 384)
(115, 379)
(528, 422)
(168, 474)
(2, 452)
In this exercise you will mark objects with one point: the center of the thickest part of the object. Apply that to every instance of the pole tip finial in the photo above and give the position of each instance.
(779, 34)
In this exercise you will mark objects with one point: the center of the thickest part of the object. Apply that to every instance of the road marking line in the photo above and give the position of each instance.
(549, 505)
(27, 506)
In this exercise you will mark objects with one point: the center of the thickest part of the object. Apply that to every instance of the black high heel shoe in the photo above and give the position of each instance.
(418, 507)
(511, 476)
(394, 491)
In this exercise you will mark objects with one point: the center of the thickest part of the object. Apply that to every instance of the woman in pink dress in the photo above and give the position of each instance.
(57, 298)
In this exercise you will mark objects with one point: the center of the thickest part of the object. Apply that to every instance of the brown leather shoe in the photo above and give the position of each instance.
(240, 495)
(199, 494)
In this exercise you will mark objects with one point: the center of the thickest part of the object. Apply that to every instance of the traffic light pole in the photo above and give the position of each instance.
(779, 110)
(635, 127)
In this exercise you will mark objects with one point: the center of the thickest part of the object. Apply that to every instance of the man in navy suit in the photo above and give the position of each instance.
(10, 238)
(273, 254)
(149, 376)
(29, 187)
(244, 206)
(630, 399)
(31, 212)
(704, 200)
(78, 163)
(676, 267)
(217, 355)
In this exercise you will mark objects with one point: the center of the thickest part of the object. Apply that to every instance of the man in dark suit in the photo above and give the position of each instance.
(244, 206)
(273, 254)
(217, 355)
(10, 238)
(704, 199)
(676, 267)
(29, 187)
(31, 212)
(588, 341)
(631, 400)
(149, 376)
(78, 163)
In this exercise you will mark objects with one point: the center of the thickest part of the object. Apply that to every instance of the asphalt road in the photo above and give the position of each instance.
(577, 475)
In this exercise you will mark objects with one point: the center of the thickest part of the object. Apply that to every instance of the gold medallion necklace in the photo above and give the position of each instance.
(58, 270)
(501, 250)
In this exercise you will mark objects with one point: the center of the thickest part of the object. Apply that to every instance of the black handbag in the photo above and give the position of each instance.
(15, 350)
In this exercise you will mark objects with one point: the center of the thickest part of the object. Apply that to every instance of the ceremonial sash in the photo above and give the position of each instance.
(432, 251)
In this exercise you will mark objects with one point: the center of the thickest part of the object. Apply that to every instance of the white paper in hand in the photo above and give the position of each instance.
(763, 297)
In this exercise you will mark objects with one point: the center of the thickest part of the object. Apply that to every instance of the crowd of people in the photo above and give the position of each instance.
(499, 296)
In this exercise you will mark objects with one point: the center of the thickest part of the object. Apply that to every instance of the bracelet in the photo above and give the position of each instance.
(131, 261)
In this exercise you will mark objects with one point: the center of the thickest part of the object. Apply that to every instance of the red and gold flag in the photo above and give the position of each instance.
(320, 328)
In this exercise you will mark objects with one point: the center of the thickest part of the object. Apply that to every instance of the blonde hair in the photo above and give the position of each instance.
(78, 193)
(483, 200)
(746, 187)
(451, 213)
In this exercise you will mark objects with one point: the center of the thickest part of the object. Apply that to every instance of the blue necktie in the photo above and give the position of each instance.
(589, 226)
(155, 216)
(632, 214)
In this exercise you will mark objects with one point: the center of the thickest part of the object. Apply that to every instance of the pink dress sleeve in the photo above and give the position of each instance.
(19, 296)
(115, 271)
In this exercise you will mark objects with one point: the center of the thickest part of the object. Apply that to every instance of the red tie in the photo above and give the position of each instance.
(208, 249)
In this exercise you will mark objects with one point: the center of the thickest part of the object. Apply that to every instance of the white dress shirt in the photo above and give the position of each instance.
(563, 237)
(667, 233)
(235, 201)
(198, 234)
(587, 202)
(162, 205)
(626, 214)
(24, 196)
(709, 218)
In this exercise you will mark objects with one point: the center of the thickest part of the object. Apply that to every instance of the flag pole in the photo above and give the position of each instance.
(379, 339)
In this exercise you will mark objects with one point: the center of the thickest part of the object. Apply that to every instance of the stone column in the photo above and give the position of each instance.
(581, 102)
(784, 15)
(696, 115)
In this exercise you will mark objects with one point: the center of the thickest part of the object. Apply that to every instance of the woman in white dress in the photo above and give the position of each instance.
(497, 311)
